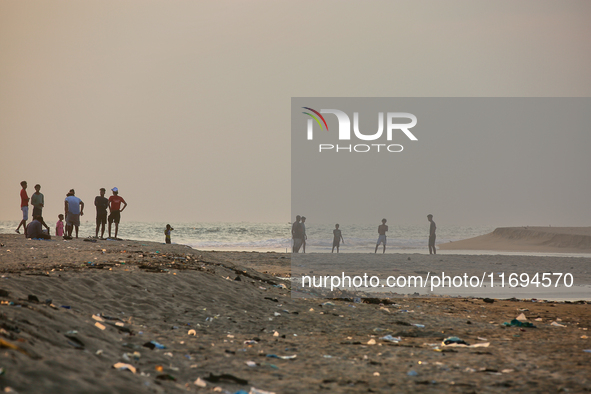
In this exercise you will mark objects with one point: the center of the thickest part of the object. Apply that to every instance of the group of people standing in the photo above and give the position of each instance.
(298, 234)
(73, 209)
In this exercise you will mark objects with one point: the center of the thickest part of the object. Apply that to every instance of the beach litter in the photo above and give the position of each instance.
(192, 332)
(555, 324)
(154, 345)
(517, 323)
(282, 357)
(200, 383)
(254, 390)
(412, 372)
(125, 367)
(225, 377)
(390, 338)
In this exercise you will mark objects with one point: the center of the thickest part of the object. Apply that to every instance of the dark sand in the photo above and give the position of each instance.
(160, 292)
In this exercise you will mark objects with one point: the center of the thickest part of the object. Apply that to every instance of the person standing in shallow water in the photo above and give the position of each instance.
(382, 228)
(432, 229)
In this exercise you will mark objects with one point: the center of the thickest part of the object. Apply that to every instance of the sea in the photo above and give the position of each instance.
(276, 237)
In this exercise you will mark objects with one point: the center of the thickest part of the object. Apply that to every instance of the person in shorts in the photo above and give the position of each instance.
(115, 208)
(382, 228)
(38, 202)
(337, 237)
(74, 208)
(101, 203)
(24, 207)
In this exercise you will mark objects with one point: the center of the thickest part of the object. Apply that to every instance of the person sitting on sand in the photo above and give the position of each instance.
(59, 226)
(35, 229)
(432, 229)
(167, 233)
(337, 238)
(382, 228)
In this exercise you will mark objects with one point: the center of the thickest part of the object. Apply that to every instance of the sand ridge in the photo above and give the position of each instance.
(528, 239)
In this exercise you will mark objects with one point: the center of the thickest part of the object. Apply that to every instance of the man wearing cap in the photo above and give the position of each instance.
(115, 208)
(101, 203)
(74, 208)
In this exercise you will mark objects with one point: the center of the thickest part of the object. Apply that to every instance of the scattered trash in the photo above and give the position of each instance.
(225, 376)
(154, 344)
(123, 367)
(376, 374)
(282, 357)
(251, 363)
(419, 325)
(250, 342)
(371, 342)
(276, 334)
(557, 324)
(166, 377)
(168, 354)
(587, 350)
(99, 325)
(450, 341)
(98, 318)
(521, 318)
(517, 323)
(412, 373)
(192, 332)
(254, 390)
(66, 307)
(200, 383)
(390, 338)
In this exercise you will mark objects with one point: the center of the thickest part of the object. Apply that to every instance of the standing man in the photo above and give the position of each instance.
(38, 201)
(337, 238)
(101, 203)
(114, 206)
(74, 208)
(297, 233)
(24, 207)
(303, 223)
(432, 229)
(382, 228)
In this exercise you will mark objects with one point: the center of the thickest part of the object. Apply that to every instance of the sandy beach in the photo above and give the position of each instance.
(528, 239)
(91, 317)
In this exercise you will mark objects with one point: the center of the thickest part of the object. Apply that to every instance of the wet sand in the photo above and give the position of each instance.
(55, 293)
(528, 239)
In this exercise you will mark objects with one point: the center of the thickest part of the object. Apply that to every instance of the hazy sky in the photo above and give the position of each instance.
(185, 105)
